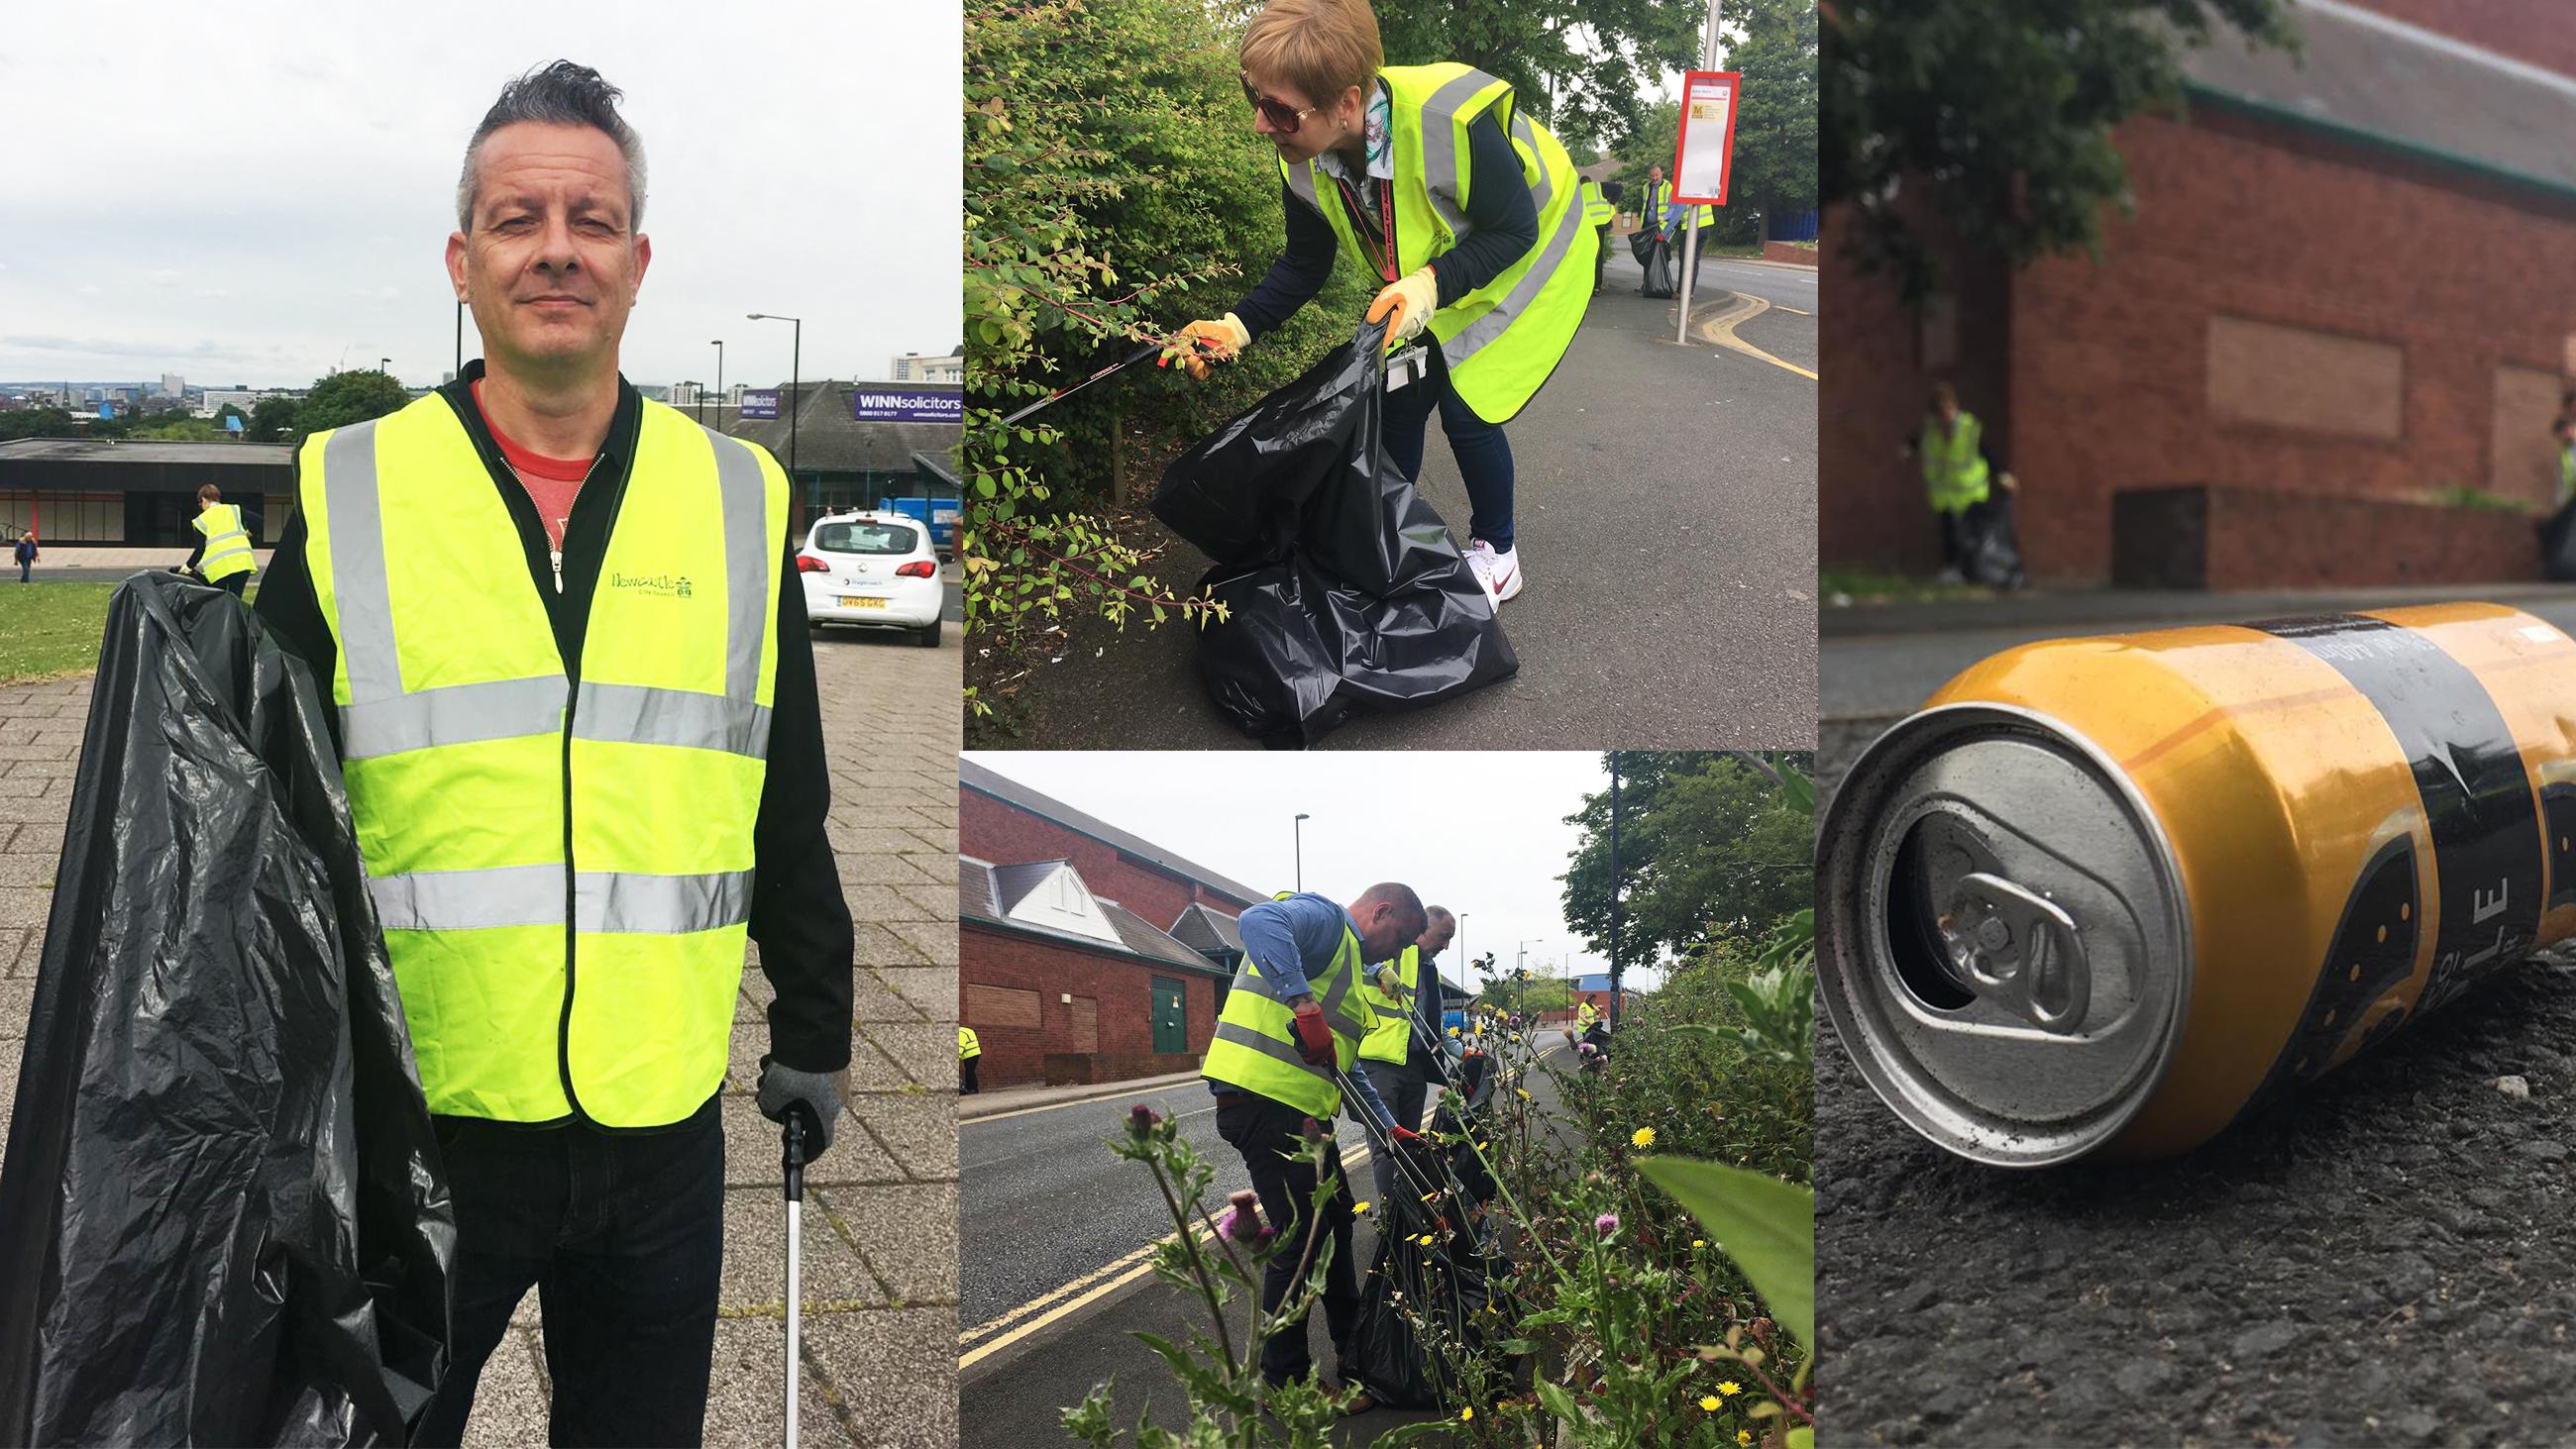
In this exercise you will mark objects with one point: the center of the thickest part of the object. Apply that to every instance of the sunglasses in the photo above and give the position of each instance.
(1278, 113)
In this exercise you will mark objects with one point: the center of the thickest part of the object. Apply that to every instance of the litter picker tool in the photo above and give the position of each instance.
(1150, 349)
(792, 1163)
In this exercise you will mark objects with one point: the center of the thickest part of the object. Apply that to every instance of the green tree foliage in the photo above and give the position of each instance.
(38, 423)
(348, 397)
(272, 420)
(1709, 850)
(1594, 57)
(1775, 124)
(229, 410)
(2001, 113)
(180, 430)
(1114, 191)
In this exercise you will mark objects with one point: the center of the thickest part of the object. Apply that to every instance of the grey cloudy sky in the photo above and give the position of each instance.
(1481, 833)
(258, 192)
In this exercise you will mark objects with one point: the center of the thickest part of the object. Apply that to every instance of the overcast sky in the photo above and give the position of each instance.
(257, 192)
(1481, 833)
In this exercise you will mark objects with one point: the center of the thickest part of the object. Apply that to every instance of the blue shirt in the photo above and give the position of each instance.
(1288, 942)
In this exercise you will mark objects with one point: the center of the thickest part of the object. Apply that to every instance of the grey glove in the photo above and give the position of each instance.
(784, 1089)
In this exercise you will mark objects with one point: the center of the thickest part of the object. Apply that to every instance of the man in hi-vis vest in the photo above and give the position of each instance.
(1468, 216)
(222, 556)
(1400, 1054)
(1291, 1028)
(577, 720)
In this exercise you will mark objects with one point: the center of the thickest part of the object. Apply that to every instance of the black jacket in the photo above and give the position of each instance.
(798, 916)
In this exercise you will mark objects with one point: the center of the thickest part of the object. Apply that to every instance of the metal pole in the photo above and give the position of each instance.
(1297, 829)
(1615, 993)
(795, 392)
(720, 392)
(1690, 238)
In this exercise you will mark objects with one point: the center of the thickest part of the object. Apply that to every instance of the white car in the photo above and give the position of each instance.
(875, 570)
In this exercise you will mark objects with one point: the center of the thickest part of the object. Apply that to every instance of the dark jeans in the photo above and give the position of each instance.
(1484, 454)
(622, 1235)
(233, 584)
(25, 567)
(966, 1076)
(1954, 538)
(1403, 1092)
(1261, 1129)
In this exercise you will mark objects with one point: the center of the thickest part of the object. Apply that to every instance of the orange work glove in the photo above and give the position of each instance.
(1208, 341)
(1407, 305)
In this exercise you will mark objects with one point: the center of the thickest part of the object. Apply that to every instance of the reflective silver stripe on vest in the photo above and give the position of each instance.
(1543, 190)
(234, 533)
(613, 902)
(458, 714)
(363, 597)
(1485, 329)
(1271, 1047)
(1336, 994)
(470, 900)
(743, 498)
(636, 715)
(1440, 134)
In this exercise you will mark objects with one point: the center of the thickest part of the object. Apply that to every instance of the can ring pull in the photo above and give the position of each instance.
(2019, 951)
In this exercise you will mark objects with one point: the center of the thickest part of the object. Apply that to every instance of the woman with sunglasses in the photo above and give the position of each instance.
(1469, 213)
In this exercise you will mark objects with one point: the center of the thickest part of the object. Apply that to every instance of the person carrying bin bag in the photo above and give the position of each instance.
(576, 709)
(1469, 214)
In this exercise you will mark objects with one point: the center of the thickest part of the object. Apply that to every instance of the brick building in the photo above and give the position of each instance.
(2346, 306)
(1087, 954)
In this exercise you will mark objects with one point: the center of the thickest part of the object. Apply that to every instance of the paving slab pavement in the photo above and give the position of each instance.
(880, 1330)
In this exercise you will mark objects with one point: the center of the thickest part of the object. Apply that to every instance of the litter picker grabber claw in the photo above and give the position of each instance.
(1150, 349)
(792, 1164)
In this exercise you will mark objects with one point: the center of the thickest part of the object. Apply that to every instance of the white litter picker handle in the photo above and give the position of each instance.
(792, 1162)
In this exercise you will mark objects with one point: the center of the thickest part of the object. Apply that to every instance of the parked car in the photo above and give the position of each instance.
(873, 570)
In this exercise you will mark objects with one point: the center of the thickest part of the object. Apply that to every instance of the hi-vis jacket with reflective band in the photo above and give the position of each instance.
(1584, 1014)
(2566, 474)
(1391, 1032)
(228, 550)
(1659, 199)
(564, 873)
(1503, 339)
(967, 1045)
(1597, 210)
(1255, 1047)
(1954, 466)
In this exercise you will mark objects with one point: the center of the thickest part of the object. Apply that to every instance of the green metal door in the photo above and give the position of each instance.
(1171, 1023)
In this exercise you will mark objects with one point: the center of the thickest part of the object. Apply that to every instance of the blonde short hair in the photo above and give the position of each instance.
(1322, 47)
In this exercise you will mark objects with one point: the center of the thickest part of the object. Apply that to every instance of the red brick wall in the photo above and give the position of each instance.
(2536, 31)
(2109, 361)
(989, 829)
(1015, 1056)
(1796, 254)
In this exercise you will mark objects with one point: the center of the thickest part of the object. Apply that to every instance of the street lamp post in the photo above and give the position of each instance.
(1298, 828)
(795, 380)
(720, 392)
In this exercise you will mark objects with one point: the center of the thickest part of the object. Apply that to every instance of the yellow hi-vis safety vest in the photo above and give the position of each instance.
(1584, 1015)
(1659, 199)
(1954, 467)
(1255, 1047)
(563, 869)
(1392, 1030)
(1597, 210)
(967, 1045)
(1503, 339)
(228, 549)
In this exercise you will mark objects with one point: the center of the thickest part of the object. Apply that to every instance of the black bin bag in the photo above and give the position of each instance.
(1343, 592)
(1658, 264)
(222, 1215)
(1445, 1283)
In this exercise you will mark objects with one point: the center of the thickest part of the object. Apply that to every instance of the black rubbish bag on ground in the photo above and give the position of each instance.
(1343, 592)
(2558, 545)
(1658, 262)
(222, 1214)
(1994, 543)
(1444, 1282)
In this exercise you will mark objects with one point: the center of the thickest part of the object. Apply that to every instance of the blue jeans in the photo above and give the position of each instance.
(1484, 454)
(622, 1235)
(26, 566)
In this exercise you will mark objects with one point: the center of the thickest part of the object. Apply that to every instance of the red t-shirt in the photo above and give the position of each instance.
(552, 483)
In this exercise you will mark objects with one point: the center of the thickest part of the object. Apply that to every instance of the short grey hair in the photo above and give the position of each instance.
(1434, 915)
(561, 94)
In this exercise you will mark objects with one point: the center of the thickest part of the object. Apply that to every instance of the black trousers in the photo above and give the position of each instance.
(966, 1076)
(1404, 1093)
(233, 584)
(622, 1235)
(1261, 1129)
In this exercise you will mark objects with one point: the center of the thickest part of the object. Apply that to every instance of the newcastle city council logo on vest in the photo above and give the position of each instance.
(666, 586)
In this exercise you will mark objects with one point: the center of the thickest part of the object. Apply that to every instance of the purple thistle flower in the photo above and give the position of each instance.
(1140, 1121)
(1242, 1220)
(1606, 1224)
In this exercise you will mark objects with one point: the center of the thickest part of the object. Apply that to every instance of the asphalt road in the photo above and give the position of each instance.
(1042, 1205)
(1665, 509)
(2380, 1259)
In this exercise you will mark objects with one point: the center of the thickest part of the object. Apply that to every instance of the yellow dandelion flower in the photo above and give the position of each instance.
(1709, 1404)
(1360, 1206)
(1730, 1388)
(1524, 1091)
(1695, 1242)
(1643, 1137)
(1743, 1436)
(1466, 1413)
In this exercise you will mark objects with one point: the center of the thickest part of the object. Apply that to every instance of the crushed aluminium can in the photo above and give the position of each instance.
(2102, 896)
